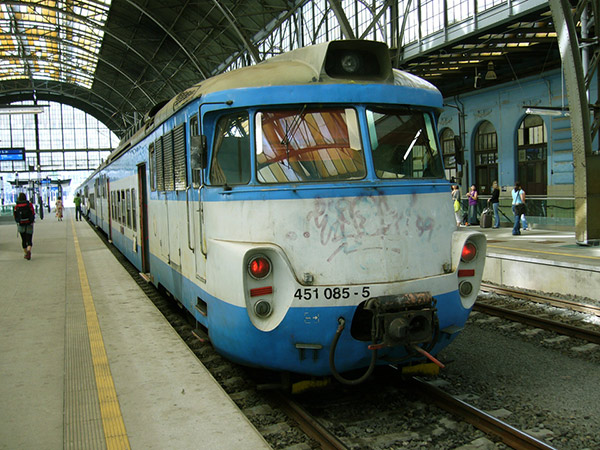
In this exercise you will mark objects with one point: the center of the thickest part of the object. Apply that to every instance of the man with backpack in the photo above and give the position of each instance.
(24, 215)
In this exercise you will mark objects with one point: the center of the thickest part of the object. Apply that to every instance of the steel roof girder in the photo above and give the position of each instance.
(587, 197)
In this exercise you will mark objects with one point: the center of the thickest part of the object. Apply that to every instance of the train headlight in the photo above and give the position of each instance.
(469, 252)
(465, 288)
(263, 308)
(259, 267)
(350, 62)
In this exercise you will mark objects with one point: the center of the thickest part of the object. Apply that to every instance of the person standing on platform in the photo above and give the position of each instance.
(495, 200)
(524, 225)
(77, 201)
(518, 205)
(456, 204)
(59, 209)
(24, 215)
(472, 194)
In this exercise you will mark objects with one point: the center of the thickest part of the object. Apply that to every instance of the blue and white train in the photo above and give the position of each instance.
(298, 210)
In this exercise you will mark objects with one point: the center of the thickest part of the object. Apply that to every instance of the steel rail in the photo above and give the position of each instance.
(481, 420)
(538, 322)
(538, 298)
(306, 422)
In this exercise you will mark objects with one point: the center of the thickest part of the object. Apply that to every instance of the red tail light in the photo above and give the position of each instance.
(259, 267)
(469, 252)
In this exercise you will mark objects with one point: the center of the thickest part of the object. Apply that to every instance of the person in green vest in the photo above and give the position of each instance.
(77, 201)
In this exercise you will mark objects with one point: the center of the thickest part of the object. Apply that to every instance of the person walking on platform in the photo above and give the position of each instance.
(24, 215)
(472, 194)
(77, 201)
(518, 207)
(495, 200)
(59, 209)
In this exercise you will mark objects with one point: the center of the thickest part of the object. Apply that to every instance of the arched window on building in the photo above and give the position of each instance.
(532, 151)
(486, 157)
(449, 153)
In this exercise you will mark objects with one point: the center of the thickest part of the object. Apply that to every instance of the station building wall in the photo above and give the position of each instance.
(504, 107)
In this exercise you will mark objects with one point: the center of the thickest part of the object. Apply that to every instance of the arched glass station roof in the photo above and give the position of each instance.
(52, 40)
(117, 59)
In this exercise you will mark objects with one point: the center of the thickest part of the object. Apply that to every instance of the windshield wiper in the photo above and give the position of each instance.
(412, 144)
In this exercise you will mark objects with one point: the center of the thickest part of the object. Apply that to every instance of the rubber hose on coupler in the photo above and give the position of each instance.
(336, 374)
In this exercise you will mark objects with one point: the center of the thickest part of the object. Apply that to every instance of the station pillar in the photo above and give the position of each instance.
(586, 163)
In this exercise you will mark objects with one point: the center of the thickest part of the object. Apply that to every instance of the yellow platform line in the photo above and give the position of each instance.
(112, 419)
(542, 251)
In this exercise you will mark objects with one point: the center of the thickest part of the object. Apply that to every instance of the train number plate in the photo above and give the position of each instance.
(332, 293)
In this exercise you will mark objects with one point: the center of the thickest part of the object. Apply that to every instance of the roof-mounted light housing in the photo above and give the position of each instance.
(360, 60)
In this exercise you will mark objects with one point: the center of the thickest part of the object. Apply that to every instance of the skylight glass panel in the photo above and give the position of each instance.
(52, 40)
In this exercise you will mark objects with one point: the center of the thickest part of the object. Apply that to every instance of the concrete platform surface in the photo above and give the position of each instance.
(55, 389)
(542, 260)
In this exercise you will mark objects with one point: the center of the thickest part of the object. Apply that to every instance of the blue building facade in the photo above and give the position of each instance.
(505, 142)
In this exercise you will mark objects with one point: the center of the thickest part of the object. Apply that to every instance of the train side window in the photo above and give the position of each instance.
(179, 158)
(231, 155)
(128, 193)
(160, 176)
(152, 161)
(123, 205)
(133, 210)
(114, 205)
(168, 166)
(194, 131)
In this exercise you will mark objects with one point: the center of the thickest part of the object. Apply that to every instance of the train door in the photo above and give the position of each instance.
(143, 217)
(195, 216)
(101, 197)
(109, 210)
(173, 223)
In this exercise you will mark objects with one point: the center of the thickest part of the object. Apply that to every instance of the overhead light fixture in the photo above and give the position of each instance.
(21, 109)
(491, 73)
(547, 111)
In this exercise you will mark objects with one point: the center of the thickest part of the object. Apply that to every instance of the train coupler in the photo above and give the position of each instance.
(406, 319)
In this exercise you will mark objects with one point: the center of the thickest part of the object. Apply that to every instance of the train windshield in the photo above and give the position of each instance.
(307, 144)
(403, 143)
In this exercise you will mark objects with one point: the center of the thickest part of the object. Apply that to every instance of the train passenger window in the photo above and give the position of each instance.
(308, 144)
(194, 131)
(128, 193)
(123, 207)
(168, 166)
(179, 158)
(114, 205)
(158, 159)
(231, 155)
(152, 165)
(133, 210)
(403, 144)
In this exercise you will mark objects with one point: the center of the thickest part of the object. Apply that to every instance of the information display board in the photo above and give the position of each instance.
(12, 154)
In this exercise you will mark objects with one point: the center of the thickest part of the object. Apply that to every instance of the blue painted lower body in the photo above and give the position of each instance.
(234, 336)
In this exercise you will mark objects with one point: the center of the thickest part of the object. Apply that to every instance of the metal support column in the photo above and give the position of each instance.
(586, 165)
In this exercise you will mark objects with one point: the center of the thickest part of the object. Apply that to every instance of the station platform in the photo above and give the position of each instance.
(542, 260)
(87, 361)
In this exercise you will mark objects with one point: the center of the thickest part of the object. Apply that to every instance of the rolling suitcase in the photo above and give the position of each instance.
(486, 218)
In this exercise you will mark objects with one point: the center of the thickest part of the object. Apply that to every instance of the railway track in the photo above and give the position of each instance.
(480, 419)
(536, 321)
(538, 298)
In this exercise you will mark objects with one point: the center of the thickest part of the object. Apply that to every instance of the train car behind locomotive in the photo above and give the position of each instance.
(298, 209)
